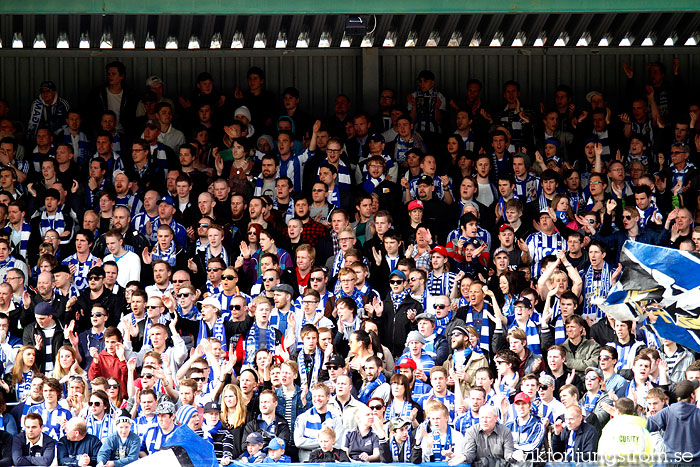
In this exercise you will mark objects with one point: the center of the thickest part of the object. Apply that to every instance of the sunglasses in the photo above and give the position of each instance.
(95, 403)
(199, 379)
(146, 376)
(318, 190)
(152, 307)
(179, 281)
(183, 295)
(627, 218)
(98, 315)
(230, 277)
(396, 282)
(268, 279)
(95, 278)
(235, 307)
(203, 225)
(591, 378)
(498, 362)
(316, 279)
(331, 367)
(544, 387)
(214, 269)
(113, 386)
(439, 306)
(604, 357)
(376, 407)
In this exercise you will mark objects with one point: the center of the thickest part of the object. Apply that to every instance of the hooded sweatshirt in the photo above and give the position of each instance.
(681, 422)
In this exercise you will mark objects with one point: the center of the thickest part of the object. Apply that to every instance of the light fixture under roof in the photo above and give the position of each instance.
(17, 41)
(171, 43)
(260, 41)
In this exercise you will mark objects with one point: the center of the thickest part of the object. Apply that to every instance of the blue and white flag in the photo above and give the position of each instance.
(661, 288)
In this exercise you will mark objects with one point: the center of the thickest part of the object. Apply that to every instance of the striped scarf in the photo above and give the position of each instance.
(369, 387)
(54, 222)
(448, 400)
(542, 410)
(169, 255)
(596, 284)
(441, 323)
(218, 331)
(259, 339)
(210, 431)
(398, 298)
(356, 295)
(338, 263)
(590, 403)
(211, 290)
(223, 256)
(559, 329)
(143, 424)
(22, 389)
(370, 184)
(440, 285)
(314, 424)
(406, 450)
(570, 445)
(438, 447)
(154, 438)
(22, 236)
(334, 196)
(466, 421)
(405, 412)
(304, 370)
(507, 387)
(533, 335)
(100, 428)
(484, 337)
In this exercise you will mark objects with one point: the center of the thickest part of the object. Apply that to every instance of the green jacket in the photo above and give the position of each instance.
(585, 355)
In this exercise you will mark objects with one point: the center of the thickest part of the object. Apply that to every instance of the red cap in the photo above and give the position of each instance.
(407, 363)
(415, 204)
(522, 397)
(505, 226)
(439, 249)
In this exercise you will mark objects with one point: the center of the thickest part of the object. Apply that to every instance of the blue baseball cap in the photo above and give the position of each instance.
(276, 443)
(166, 199)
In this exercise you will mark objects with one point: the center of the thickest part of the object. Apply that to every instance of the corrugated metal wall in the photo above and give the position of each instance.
(320, 74)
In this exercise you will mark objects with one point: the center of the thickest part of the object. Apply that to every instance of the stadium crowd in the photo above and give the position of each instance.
(419, 285)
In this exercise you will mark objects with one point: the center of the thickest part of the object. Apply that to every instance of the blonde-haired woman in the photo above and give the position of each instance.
(66, 365)
(24, 370)
(233, 415)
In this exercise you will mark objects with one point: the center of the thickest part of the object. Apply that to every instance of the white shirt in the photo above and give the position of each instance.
(129, 267)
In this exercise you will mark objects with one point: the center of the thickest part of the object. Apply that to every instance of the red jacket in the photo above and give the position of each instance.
(109, 366)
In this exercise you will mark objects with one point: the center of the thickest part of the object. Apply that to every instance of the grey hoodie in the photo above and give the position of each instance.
(681, 422)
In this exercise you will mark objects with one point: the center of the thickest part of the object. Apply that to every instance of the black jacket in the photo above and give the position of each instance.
(396, 324)
(69, 451)
(385, 455)
(279, 429)
(113, 303)
(29, 338)
(336, 455)
(5, 449)
(585, 442)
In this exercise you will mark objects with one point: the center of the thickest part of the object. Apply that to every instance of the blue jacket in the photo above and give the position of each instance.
(681, 424)
(69, 451)
(22, 454)
(121, 453)
(298, 405)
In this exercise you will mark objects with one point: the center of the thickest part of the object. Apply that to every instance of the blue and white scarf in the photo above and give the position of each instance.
(594, 288)
(314, 424)
(24, 234)
(259, 339)
(169, 255)
(405, 412)
(218, 331)
(590, 403)
(466, 421)
(100, 428)
(23, 388)
(442, 285)
(213, 291)
(146, 338)
(507, 386)
(533, 336)
(484, 337)
(223, 256)
(406, 450)
(370, 184)
(303, 370)
(398, 298)
(368, 388)
(210, 431)
(441, 323)
(54, 222)
(52, 419)
(438, 447)
(154, 438)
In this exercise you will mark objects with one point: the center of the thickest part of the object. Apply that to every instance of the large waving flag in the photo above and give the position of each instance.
(664, 281)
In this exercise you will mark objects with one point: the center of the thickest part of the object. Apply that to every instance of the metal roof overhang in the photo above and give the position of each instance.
(276, 23)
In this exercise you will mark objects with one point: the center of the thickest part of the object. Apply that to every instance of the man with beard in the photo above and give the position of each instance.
(265, 183)
(313, 232)
(133, 240)
(462, 363)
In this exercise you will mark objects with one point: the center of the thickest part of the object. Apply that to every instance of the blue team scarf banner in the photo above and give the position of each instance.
(664, 281)
(200, 451)
(346, 464)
